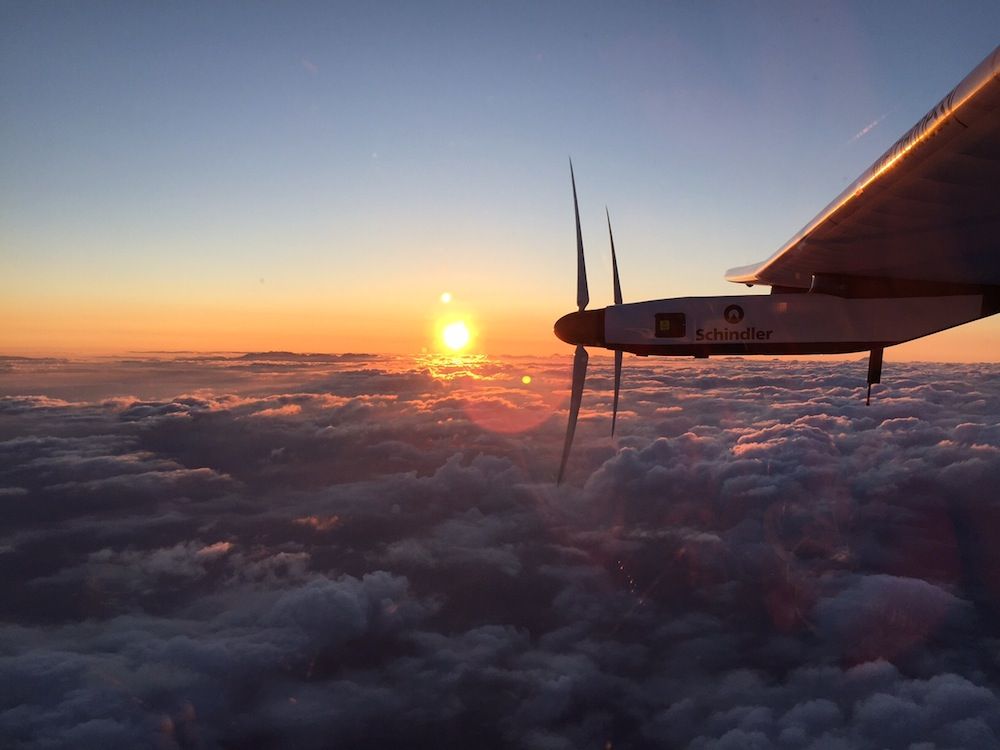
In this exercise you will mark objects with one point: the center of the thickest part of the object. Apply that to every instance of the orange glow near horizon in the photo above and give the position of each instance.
(47, 327)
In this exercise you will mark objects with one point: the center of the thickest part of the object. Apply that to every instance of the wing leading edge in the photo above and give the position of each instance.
(928, 210)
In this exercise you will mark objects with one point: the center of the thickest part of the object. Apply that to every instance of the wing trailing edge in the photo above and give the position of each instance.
(925, 210)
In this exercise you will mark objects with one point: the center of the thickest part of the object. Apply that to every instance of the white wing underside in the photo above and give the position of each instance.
(927, 210)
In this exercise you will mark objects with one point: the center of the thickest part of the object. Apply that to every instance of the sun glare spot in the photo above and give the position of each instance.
(456, 336)
(526, 379)
(445, 297)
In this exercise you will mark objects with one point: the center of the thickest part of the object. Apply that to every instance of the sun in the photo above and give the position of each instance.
(456, 336)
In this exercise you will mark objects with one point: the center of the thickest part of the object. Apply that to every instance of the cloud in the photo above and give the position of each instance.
(279, 550)
(868, 128)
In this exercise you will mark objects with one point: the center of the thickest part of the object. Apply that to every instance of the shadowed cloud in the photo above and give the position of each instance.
(370, 552)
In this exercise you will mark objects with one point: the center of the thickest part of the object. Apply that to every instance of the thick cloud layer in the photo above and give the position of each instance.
(282, 551)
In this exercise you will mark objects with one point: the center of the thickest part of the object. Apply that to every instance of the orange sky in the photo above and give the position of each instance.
(404, 325)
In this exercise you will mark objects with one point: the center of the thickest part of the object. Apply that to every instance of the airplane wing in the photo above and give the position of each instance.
(927, 211)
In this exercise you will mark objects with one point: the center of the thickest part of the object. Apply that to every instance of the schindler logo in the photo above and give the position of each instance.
(743, 334)
(733, 315)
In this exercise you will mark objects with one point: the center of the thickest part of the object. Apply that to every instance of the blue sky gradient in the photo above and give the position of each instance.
(349, 154)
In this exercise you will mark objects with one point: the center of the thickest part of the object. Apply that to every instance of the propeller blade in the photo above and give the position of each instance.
(614, 262)
(582, 295)
(576, 397)
(618, 387)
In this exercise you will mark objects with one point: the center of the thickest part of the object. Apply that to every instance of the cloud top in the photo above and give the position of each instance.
(280, 551)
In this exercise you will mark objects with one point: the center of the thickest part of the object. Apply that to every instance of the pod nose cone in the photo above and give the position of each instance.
(584, 328)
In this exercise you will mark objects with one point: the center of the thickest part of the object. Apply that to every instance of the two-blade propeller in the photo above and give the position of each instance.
(618, 301)
(580, 356)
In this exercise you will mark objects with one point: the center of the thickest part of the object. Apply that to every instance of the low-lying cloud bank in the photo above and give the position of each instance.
(367, 552)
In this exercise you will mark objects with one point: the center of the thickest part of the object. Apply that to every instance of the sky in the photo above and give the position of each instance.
(313, 176)
(370, 551)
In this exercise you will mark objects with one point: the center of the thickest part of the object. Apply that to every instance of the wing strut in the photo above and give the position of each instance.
(874, 372)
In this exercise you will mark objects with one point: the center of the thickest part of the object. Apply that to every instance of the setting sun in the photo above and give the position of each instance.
(456, 335)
